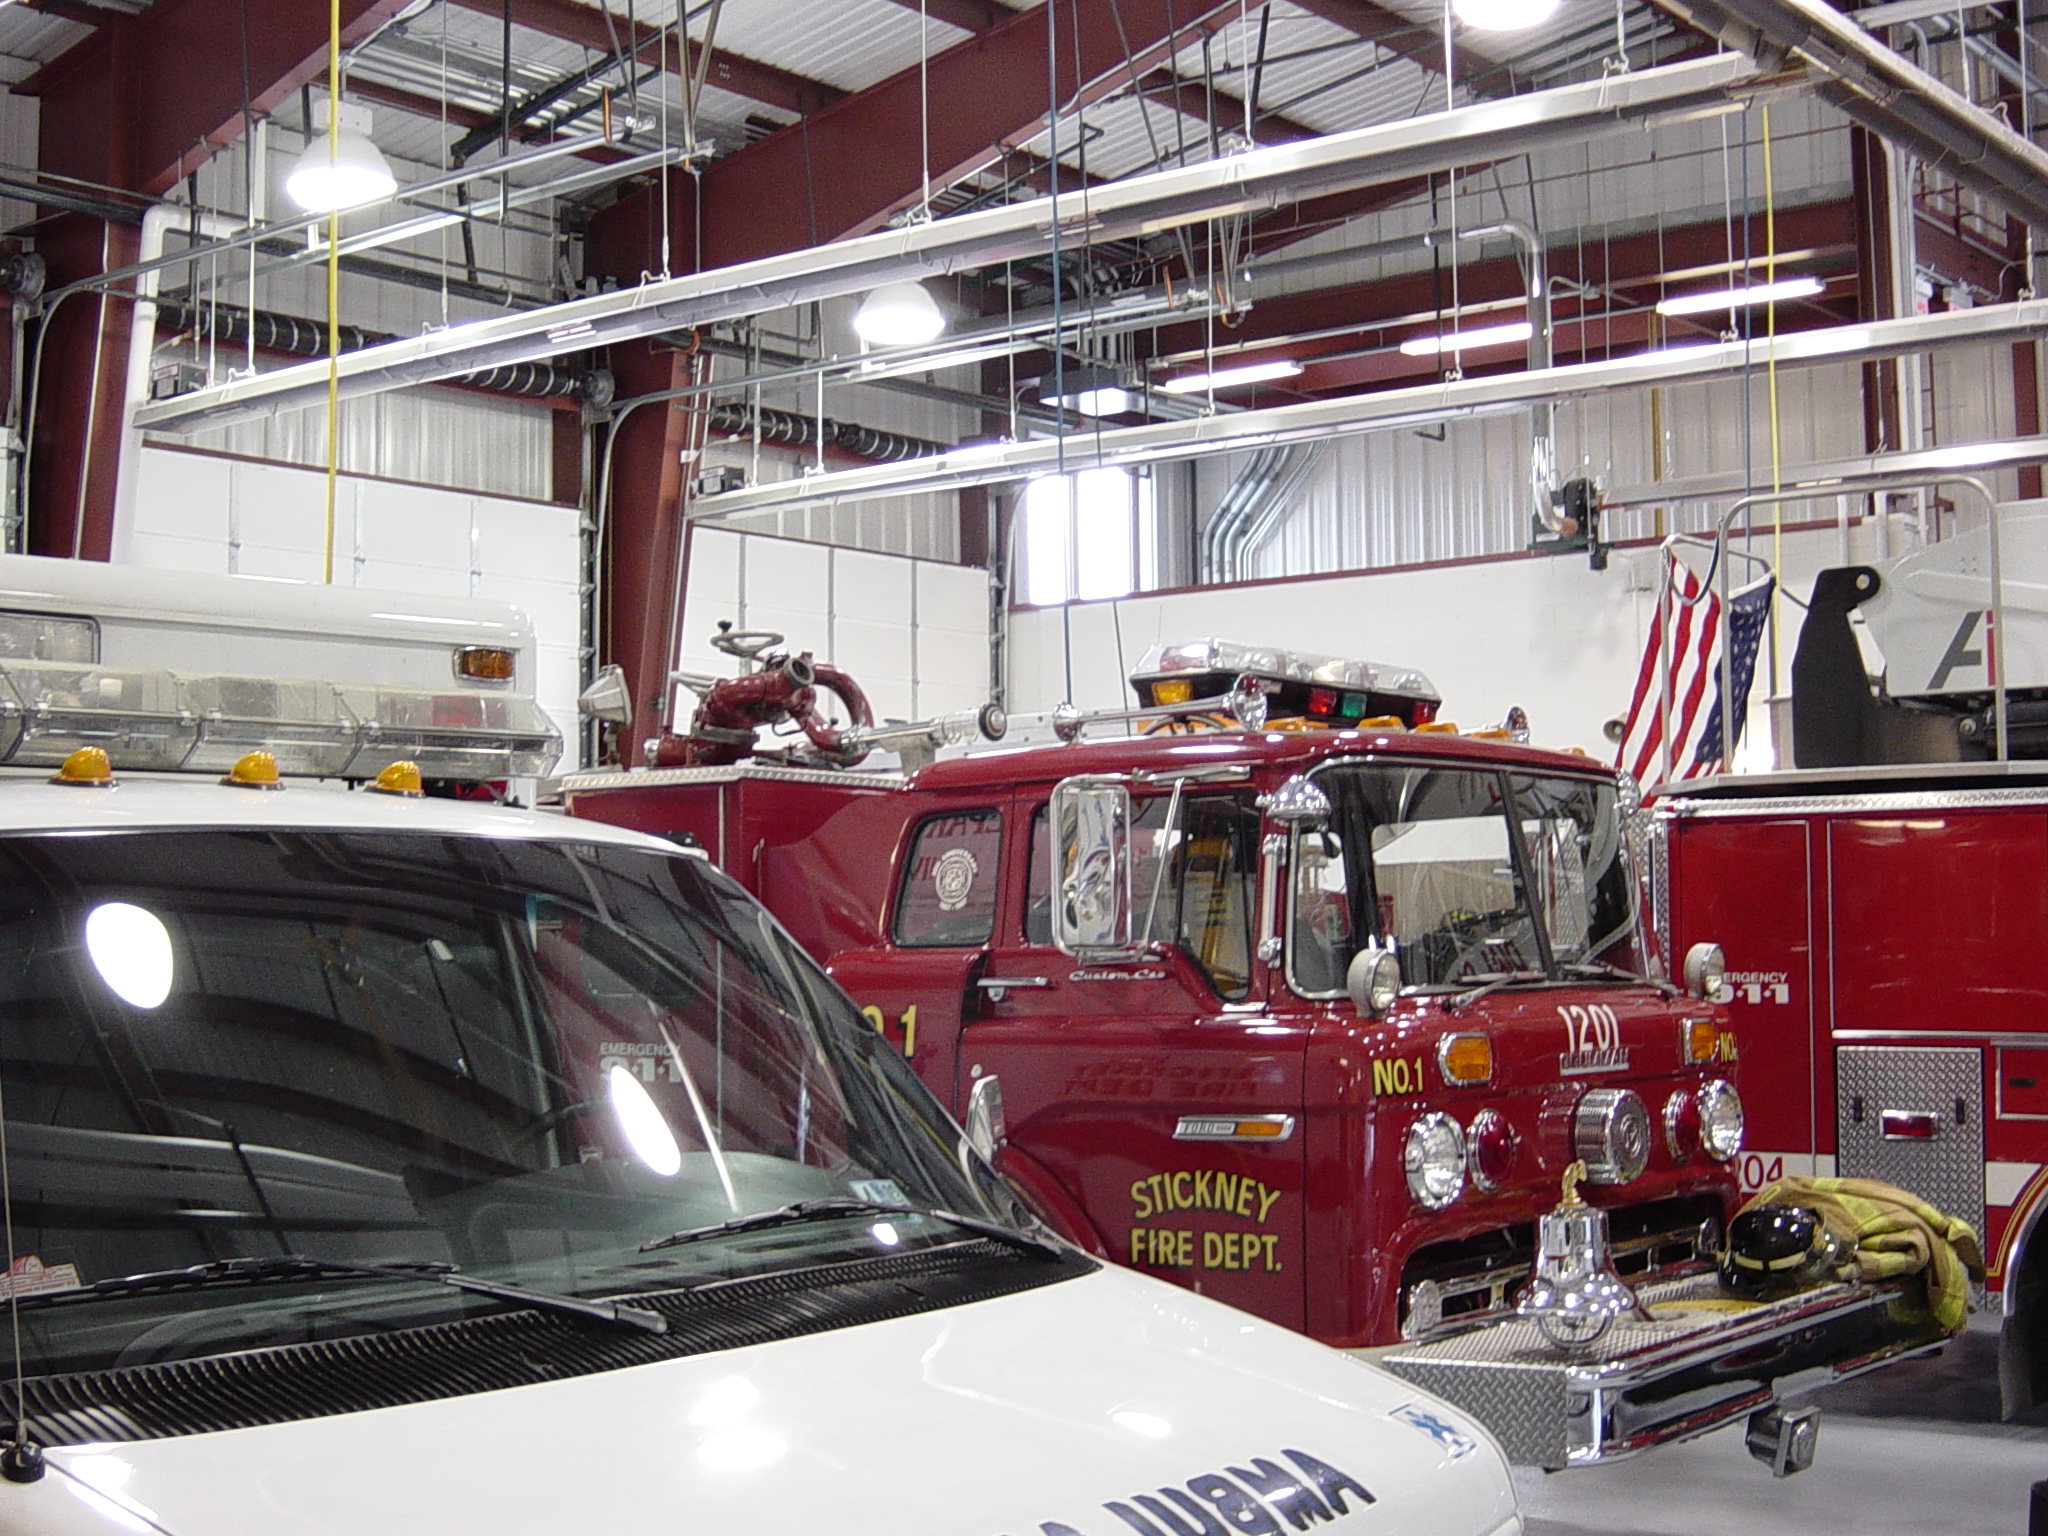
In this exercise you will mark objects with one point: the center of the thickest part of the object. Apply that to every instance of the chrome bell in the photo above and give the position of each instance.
(1573, 1294)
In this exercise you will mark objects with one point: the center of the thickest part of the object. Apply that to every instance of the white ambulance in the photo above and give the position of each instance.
(372, 1162)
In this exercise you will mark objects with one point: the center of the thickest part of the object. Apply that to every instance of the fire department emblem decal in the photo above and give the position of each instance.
(953, 876)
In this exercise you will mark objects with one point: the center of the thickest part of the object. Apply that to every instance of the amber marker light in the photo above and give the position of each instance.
(1441, 727)
(1465, 1059)
(253, 770)
(87, 766)
(484, 663)
(399, 778)
(1175, 690)
(1702, 1040)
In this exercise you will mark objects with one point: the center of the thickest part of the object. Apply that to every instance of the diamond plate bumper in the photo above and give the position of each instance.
(1658, 1382)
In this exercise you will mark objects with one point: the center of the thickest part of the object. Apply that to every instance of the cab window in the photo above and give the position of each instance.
(1204, 870)
(948, 896)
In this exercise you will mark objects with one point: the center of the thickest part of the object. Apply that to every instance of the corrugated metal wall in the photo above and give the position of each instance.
(441, 437)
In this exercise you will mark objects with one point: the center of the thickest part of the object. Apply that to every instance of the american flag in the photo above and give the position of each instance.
(1694, 651)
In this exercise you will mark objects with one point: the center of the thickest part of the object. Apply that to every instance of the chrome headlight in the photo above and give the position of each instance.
(1611, 1134)
(1373, 979)
(1720, 1119)
(1434, 1159)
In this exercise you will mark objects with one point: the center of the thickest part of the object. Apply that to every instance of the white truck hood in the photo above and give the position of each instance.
(1109, 1405)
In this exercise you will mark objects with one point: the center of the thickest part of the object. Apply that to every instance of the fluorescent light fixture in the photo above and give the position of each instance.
(899, 315)
(1091, 389)
(1469, 341)
(340, 168)
(1740, 298)
(1230, 378)
(1504, 15)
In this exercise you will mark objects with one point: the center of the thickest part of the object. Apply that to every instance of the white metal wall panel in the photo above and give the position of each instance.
(913, 633)
(952, 637)
(200, 512)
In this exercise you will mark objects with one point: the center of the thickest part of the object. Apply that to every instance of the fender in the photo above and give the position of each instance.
(1051, 1199)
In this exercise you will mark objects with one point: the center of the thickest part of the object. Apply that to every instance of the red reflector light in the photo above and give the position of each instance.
(1322, 701)
(1909, 1124)
(1425, 710)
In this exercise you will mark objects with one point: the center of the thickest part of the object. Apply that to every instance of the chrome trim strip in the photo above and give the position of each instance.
(1226, 1128)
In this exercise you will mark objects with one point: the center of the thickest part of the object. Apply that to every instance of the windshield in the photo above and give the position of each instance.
(524, 1059)
(1466, 873)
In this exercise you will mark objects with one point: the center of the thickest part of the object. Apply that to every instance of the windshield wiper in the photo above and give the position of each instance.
(1492, 984)
(1616, 973)
(286, 1266)
(847, 1205)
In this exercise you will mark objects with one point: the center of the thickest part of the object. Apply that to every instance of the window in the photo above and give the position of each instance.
(948, 896)
(1090, 534)
(1204, 869)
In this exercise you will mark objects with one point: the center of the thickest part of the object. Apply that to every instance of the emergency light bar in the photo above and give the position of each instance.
(202, 722)
(1329, 690)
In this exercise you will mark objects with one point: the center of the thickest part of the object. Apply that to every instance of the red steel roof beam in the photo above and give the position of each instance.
(585, 25)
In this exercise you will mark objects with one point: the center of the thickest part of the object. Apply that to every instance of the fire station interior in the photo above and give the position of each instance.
(1155, 535)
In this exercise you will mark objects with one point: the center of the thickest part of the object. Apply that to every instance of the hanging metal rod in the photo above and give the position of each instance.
(1256, 180)
(1421, 404)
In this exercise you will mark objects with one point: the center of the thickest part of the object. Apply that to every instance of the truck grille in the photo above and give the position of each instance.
(1475, 1280)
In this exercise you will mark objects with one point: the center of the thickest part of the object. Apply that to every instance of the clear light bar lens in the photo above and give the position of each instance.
(47, 637)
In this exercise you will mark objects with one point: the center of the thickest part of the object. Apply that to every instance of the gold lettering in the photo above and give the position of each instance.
(1382, 1077)
(1271, 1242)
(1141, 1245)
(1157, 1185)
(1182, 1198)
(1246, 1190)
(1141, 1202)
(1212, 1250)
(1202, 1194)
(1226, 1191)
(1184, 1257)
(1266, 1199)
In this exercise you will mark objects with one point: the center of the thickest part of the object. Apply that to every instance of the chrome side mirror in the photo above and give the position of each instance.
(1374, 981)
(1091, 866)
(986, 1131)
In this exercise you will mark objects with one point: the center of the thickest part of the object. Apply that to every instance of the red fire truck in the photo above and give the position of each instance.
(1884, 908)
(1308, 1014)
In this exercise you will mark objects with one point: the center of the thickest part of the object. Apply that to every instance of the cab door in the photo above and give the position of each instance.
(1151, 1080)
(918, 988)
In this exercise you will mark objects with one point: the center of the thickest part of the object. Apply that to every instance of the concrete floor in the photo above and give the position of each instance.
(1912, 1450)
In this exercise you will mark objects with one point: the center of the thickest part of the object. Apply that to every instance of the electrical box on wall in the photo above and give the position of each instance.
(719, 479)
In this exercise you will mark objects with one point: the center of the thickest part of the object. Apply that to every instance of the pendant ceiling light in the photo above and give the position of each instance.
(898, 315)
(340, 168)
(1504, 15)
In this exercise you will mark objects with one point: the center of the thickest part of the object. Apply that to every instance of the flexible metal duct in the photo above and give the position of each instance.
(793, 429)
(1878, 88)
(308, 338)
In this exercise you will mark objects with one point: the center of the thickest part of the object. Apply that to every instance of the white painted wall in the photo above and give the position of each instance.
(1549, 634)
(913, 633)
(202, 512)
